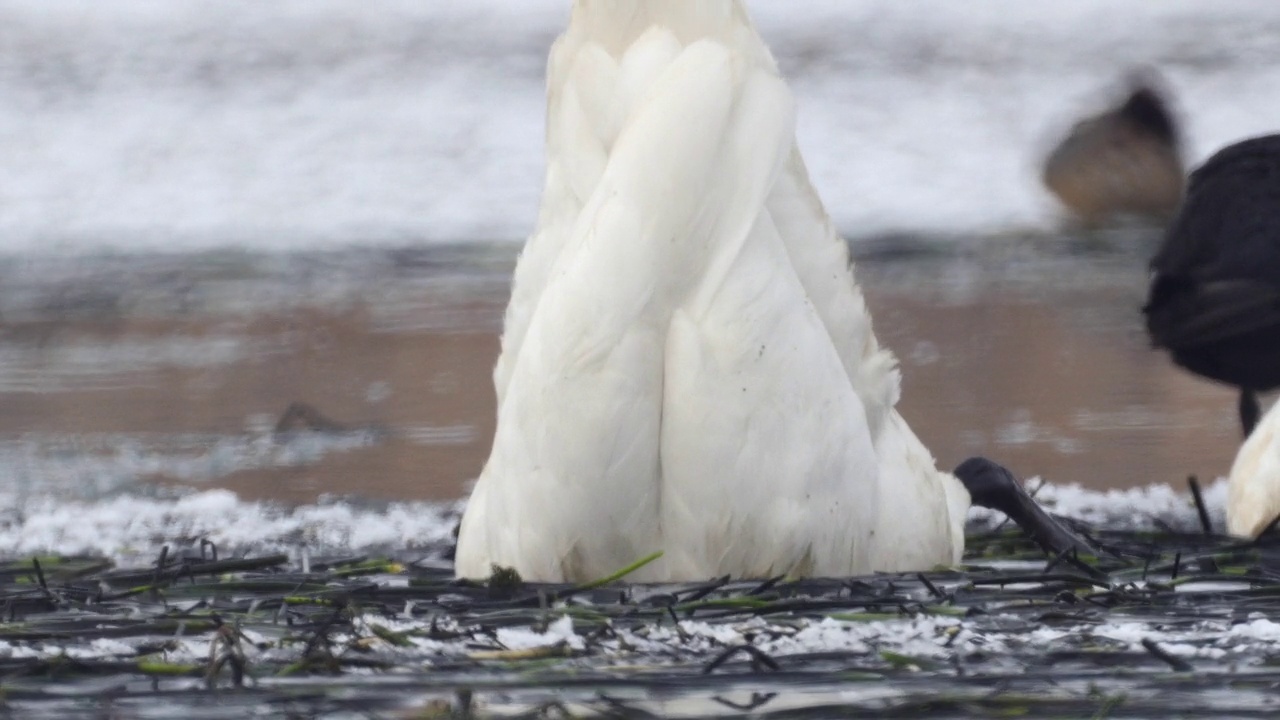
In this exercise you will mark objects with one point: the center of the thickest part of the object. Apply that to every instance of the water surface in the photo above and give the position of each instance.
(139, 372)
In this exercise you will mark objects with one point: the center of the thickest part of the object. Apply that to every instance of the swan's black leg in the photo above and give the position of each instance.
(1249, 410)
(992, 486)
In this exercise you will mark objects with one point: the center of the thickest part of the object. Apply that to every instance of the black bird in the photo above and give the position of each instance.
(1215, 289)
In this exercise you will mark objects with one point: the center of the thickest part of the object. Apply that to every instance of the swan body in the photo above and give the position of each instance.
(1253, 487)
(687, 364)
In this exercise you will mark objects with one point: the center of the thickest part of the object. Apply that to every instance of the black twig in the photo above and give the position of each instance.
(758, 700)
(758, 658)
(1178, 664)
(40, 575)
(1200, 506)
(155, 578)
(933, 589)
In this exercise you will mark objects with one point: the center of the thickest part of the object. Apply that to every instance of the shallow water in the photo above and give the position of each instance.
(342, 145)
(145, 372)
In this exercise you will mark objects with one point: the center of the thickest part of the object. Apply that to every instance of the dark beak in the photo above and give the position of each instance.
(992, 486)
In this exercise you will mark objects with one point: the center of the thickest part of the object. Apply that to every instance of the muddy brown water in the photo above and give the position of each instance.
(128, 372)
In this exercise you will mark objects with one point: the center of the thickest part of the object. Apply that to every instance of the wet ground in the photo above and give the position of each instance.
(139, 372)
(1161, 624)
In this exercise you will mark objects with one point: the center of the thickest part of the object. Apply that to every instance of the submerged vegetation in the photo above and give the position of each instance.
(1161, 623)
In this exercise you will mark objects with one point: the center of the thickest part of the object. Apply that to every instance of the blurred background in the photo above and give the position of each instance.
(266, 246)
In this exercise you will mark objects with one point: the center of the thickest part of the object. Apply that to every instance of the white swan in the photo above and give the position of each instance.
(1253, 487)
(687, 363)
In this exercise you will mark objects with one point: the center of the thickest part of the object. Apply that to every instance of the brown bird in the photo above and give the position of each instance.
(1124, 162)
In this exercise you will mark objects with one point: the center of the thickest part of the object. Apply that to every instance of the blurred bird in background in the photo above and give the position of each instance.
(1124, 162)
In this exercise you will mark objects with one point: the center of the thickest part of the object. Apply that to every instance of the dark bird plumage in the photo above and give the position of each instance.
(1215, 291)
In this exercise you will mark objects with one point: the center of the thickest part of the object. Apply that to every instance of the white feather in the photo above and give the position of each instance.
(687, 363)
(1253, 487)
